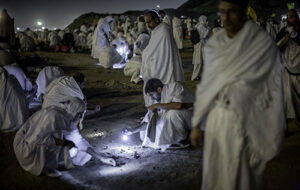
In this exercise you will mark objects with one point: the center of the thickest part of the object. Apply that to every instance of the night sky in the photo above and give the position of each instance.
(60, 13)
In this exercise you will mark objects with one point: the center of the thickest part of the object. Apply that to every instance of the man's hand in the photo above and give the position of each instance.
(197, 137)
(154, 107)
(69, 144)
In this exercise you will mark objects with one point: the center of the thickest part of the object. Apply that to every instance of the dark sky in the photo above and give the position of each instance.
(60, 13)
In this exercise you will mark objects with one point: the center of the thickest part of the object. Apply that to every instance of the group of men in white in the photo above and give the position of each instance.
(249, 86)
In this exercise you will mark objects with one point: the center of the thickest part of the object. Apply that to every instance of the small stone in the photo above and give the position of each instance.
(136, 156)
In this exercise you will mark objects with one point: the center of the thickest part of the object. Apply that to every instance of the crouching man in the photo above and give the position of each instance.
(168, 121)
(40, 144)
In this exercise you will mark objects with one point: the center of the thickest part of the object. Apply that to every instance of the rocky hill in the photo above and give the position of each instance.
(195, 8)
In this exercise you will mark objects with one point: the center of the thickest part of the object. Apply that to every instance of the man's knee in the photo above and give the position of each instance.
(182, 117)
(174, 114)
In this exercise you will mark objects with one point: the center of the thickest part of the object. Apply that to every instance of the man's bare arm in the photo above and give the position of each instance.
(171, 105)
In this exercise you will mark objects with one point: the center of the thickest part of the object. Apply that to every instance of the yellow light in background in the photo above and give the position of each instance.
(290, 6)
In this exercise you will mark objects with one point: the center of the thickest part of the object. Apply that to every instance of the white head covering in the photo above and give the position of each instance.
(108, 19)
(73, 106)
(202, 19)
(46, 76)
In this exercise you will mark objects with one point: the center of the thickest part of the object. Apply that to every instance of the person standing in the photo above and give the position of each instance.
(239, 103)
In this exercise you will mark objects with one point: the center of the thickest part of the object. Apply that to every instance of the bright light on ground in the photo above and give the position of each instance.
(123, 170)
(43, 28)
(18, 28)
(158, 6)
(125, 138)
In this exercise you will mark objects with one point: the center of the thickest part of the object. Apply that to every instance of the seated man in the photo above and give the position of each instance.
(168, 121)
(109, 56)
(122, 47)
(13, 104)
(40, 144)
(133, 68)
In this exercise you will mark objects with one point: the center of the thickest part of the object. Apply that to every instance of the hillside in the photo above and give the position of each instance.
(195, 8)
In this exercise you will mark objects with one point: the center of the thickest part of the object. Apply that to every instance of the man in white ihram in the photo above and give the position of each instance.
(133, 68)
(101, 36)
(165, 18)
(168, 122)
(177, 32)
(60, 90)
(203, 31)
(14, 106)
(40, 145)
(239, 102)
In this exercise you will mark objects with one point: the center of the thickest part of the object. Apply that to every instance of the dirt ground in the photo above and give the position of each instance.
(138, 168)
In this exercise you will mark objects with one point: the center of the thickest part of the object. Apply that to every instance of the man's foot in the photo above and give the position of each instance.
(51, 172)
(179, 145)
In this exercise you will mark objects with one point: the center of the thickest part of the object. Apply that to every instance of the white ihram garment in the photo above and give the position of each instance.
(177, 32)
(14, 107)
(203, 31)
(109, 56)
(167, 20)
(100, 36)
(60, 90)
(168, 126)
(20, 76)
(34, 143)
(241, 93)
(45, 77)
(291, 55)
(133, 68)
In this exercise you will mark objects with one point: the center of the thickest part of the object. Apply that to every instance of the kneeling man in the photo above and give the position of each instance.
(168, 121)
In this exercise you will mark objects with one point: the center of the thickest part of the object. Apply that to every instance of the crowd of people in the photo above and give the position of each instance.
(249, 85)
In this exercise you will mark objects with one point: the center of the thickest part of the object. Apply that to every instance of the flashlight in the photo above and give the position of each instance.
(73, 151)
(124, 137)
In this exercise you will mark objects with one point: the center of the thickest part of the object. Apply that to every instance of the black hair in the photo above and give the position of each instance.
(79, 77)
(153, 15)
(152, 85)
